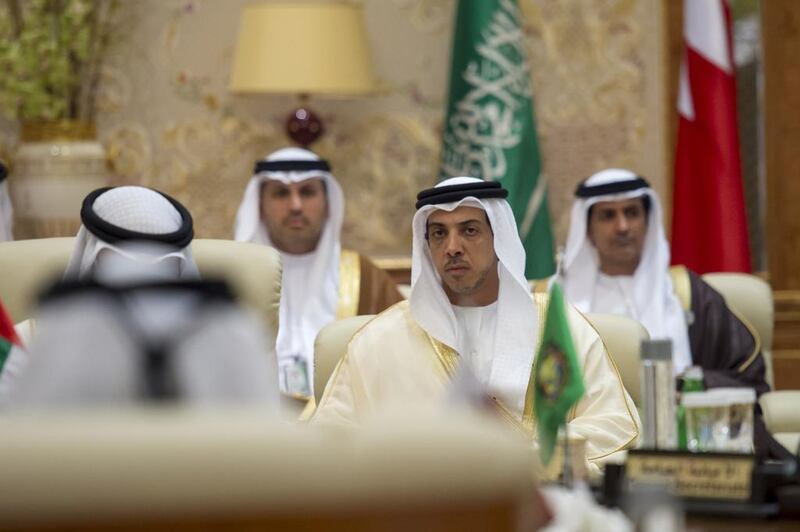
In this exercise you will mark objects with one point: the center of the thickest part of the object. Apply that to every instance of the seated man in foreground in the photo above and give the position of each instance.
(294, 204)
(470, 304)
(617, 261)
(132, 320)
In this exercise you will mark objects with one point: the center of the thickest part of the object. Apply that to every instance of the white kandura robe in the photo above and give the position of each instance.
(393, 362)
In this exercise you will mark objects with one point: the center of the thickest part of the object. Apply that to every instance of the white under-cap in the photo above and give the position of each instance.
(656, 304)
(517, 318)
(138, 209)
(310, 282)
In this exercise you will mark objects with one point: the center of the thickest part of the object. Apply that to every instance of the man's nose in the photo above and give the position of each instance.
(454, 245)
(295, 202)
(621, 223)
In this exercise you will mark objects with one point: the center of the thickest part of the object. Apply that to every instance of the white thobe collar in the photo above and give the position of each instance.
(476, 331)
(613, 294)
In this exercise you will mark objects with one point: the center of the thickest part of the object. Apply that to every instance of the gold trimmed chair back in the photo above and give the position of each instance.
(252, 270)
(751, 299)
(330, 346)
(622, 337)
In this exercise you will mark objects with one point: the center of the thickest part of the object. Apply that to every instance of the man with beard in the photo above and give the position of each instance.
(470, 305)
(617, 261)
(295, 204)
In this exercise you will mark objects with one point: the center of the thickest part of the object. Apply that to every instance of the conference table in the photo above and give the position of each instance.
(726, 524)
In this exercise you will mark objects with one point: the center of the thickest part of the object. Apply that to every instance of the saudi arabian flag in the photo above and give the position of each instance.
(8, 336)
(489, 130)
(557, 380)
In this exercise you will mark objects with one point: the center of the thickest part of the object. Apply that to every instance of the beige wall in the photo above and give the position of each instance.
(169, 121)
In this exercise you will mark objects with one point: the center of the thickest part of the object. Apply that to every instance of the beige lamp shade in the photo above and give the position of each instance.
(302, 47)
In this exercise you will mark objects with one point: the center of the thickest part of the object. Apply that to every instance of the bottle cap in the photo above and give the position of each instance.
(694, 373)
(703, 400)
(735, 396)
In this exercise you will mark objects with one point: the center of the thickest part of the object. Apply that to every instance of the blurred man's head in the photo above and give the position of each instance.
(610, 225)
(617, 230)
(293, 203)
(294, 213)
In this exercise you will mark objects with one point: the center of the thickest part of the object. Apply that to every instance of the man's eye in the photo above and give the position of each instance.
(437, 233)
(308, 192)
(282, 193)
(471, 231)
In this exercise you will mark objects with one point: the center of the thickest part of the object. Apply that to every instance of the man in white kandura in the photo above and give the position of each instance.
(470, 304)
(617, 261)
(132, 321)
(295, 204)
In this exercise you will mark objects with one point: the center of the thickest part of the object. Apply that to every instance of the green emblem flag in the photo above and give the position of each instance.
(557, 379)
(489, 130)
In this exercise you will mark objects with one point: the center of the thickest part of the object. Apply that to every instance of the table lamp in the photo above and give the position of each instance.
(302, 48)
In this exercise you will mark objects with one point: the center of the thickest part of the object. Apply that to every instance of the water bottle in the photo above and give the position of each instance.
(658, 395)
(692, 382)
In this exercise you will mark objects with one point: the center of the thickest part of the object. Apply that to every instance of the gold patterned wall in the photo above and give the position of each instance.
(168, 120)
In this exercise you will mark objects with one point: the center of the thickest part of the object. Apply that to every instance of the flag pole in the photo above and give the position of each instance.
(566, 473)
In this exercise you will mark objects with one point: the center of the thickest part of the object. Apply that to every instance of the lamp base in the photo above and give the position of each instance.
(304, 127)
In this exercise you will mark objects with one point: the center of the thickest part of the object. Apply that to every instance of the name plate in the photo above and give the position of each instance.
(719, 476)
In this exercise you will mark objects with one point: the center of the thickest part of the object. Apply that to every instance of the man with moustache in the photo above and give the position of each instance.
(470, 305)
(617, 261)
(295, 204)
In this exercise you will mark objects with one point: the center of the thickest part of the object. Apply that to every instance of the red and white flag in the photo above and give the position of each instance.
(8, 337)
(709, 223)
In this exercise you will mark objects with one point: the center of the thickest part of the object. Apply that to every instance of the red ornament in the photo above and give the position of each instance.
(303, 126)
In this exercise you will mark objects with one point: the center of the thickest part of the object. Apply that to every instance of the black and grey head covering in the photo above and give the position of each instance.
(592, 187)
(114, 217)
(445, 193)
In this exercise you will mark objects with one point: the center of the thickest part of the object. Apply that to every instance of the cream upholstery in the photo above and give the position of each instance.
(405, 290)
(241, 470)
(330, 345)
(622, 337)
(751, 298)
(253, 271)
(781, 416)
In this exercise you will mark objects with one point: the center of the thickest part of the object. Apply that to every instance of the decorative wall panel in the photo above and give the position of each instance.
(168, 120)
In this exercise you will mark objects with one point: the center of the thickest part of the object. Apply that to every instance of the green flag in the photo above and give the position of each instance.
(489, 130)
(558, 383)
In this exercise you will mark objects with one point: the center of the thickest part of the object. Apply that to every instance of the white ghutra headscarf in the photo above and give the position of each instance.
(657, 306)
(310, 283)
(517, 318)
(114, 217)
